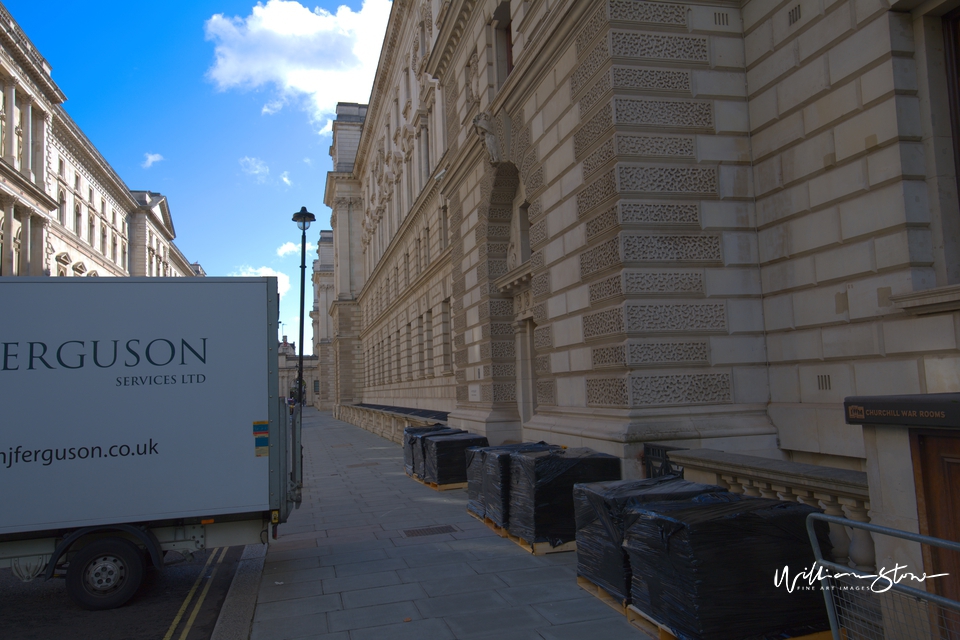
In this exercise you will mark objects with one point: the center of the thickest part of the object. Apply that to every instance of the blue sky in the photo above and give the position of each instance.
(231, 100)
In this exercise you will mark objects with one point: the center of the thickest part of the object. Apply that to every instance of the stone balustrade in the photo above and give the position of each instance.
(839, 492)
(385, 424)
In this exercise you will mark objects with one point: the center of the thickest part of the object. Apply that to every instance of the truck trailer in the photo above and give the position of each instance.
(138, 416)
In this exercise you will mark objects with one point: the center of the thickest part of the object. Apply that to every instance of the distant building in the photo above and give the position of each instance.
(65, 211)
(289, 361)
(322, 323)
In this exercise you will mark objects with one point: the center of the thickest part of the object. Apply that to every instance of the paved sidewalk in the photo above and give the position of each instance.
(343, 567)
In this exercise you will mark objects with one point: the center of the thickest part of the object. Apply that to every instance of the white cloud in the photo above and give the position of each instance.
(308, 161)
(271, 107)
(289, 247)
(318, 55)
(255, 167)
(283, 280)
(285, 177)
(149, 159)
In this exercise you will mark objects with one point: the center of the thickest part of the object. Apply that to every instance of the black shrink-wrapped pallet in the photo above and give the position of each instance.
(475, 504)
(599, 509)
(705, 568)
(417, 447)
(541, 490)
(408, 442)
(445, 456)
(496, 478)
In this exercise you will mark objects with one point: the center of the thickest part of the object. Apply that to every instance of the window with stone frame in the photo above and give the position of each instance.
(503, 42)
(77, 220)
(951, 52)
(62, 209)
(91, 230)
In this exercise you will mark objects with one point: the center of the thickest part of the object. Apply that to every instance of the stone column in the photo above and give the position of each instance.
(38, 246)
(10, 125)
(40, 155)
(526, 400)
(25, 240)
(6, 261)
(26, 162)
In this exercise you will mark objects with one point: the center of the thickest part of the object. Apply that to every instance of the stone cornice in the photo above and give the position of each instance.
(68, 134)
(451, 31)
(21, 50)
(333, 178)
(388, 58)
(15, 181)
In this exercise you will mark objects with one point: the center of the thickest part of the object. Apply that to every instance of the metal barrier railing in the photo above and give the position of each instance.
(865, 606)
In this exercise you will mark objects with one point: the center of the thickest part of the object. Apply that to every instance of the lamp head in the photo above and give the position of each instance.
(303, 218)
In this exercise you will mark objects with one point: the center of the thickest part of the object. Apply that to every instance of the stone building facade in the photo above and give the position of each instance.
(65, 211)
(609, 223)
(323, 275)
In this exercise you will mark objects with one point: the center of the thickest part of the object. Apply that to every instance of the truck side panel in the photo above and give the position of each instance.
(129, 400)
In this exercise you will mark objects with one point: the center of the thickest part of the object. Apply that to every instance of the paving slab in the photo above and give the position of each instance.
(349, 564)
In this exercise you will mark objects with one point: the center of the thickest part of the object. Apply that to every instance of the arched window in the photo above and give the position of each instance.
(103, 239)
(77, 220)
(113, 252)
(62, 210)
(91, 230)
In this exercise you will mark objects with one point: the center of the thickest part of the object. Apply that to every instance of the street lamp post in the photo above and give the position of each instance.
(303, 218)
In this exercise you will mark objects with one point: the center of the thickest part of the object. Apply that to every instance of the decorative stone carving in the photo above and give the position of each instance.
(462, 393)
(661, 282)
(606, 288)
(541, 365)
(596, 192)
(540, 313)
(609, 356)
(600, 257)
(523, 304)
(589, 65)
(534, 181)
(676, 317)
(459, 341)
(684, 389)
(685, 180)
(603, 323)
(453, 121)
(540, 284)
(483, 126)
(471, 79)
(592, 130)
(499, 213)
(602, 222)
(547, 392)
(543, 337)
(536, 260)
(535, 210)
(496, 268)
(607, 392)
(659, 46)
(598, 158)
(591, 29)
(460, 322)
(486, 393)
(651, 79)
(660, 353)
(658, 213)
(538, 233)
(498, 231)
(668, 248)
(594, 94)
(460, 358)
(504, 392)
(502, 349)
(461, 376)
(663, 113)
(500, 308)
(648, 12)
(655, 146)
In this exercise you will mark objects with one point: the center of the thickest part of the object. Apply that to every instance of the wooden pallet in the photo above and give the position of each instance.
(440, 487)
(537, 548)
(603, 595)
(648, 625)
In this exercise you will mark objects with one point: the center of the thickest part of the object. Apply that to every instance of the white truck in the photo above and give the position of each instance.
(138, 416)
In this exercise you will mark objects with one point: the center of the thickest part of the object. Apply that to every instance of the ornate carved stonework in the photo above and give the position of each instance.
(661, 353)
(596, 192)
(546, 392)
(592, 130)
(661, 248)
(606, 288)
(483, 126)
(707, 388)
(659, 46)
(603, 323)
(676, 317)
(598, 158)
(648, 12)
(609, 356)
(589, 65)
(591, 29)
(664, 113)
(602, 222)
(540, 285)
(541, 365)
(543, 337)
(659, 213)
(663, 282)
(651, 79)
(600, 257)
(607, 392)
(685, 180)
(655, 146)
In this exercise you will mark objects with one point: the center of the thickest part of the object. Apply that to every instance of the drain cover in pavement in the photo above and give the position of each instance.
(362, 464)
(429, 531)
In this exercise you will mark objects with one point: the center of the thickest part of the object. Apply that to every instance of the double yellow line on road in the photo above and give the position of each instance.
(199, 602)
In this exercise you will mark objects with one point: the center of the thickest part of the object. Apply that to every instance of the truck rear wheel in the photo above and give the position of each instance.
(105, 573)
